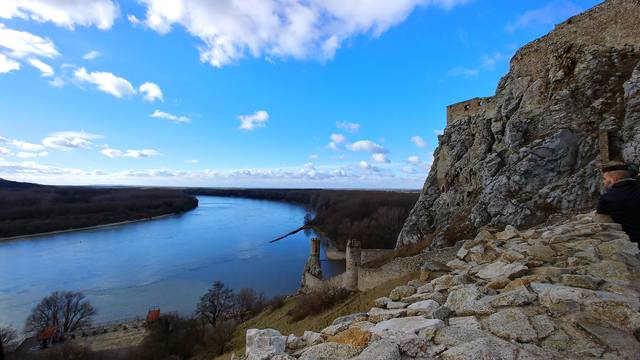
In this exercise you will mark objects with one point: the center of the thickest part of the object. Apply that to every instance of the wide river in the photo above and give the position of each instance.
(168, 262)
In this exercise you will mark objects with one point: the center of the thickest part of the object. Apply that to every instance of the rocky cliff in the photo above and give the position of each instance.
(535, 148)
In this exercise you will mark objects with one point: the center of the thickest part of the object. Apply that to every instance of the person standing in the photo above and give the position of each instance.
(621, 200)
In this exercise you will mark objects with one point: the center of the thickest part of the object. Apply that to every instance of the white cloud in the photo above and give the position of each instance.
(65, 13)
(463, 72)
(419, 163)
(490, 61)
(300, 29)
(68, 140)
(167, 116)
(438, 131)
(28, 155)
(333, 146)
(20, 44)
(91, 55)
(348, 127)
(419, 141)
(114, 153)
(45, 69)
(365, 165)
(151, 92)
(380, 158)
(256, 120)
(415, 160)
(4, 151)
(192, 161)
(106, 82)
(550, 14)
(8, 65)
(314, 157)
(338, 138)
(367, 145)
(27, 146)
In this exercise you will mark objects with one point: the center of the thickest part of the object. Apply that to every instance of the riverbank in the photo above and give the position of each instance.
(32, 209)
(96, 227)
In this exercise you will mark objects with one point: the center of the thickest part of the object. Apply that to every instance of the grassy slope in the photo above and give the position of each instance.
(279, 320)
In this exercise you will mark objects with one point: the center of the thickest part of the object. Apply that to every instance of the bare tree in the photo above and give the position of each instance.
(217, 304)
(8, 337)
(249, 303)
(65, 310)
(77, 311)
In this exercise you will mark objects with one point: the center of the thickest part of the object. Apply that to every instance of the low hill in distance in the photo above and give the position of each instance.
(27, 209)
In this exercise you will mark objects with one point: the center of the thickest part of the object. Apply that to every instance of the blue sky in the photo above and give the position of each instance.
(260, 93)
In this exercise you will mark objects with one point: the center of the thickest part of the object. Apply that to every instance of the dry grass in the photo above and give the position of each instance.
(279, 320)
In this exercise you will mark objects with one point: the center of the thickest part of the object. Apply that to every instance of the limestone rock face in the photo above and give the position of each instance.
(534, 149)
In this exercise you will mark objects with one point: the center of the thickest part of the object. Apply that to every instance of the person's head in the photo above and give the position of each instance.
(614, 172)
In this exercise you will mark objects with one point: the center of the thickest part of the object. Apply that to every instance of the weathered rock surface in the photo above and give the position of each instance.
(551, 310)
(533, 150)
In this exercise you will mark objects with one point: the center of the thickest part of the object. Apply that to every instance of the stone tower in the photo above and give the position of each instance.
(312, 275)
(352, 264)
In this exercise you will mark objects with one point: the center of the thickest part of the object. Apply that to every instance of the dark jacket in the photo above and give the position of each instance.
(622, 203)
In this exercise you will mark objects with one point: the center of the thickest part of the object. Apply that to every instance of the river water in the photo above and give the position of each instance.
(168, 262)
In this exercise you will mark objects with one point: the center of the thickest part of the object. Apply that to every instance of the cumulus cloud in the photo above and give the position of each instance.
(380, 158)
(489, 61)
(69, 140)
(114, 153)
(167, 116)
(419, 163)
(65, 13)
(91, 55)
(28, 154)
(367, 145)
(8, 65)
(45, 69)
(348, 126)
(27, 146)
(463, 72)
(151, 92)
(106, 82)
(550, 14)
(20, 44)
(419, 141)
(256, 120)
(338, 138)
(231, 30)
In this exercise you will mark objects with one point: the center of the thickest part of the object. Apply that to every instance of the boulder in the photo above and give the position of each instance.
(380, 350)
(424, 308)
(464, 301)
(329, 351)
(512, 324)
(500, 269)
(411, 325)
(264, 344)
(401, 292)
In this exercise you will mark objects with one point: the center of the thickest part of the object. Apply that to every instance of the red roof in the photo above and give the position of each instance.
(153, 315)
(47, 333)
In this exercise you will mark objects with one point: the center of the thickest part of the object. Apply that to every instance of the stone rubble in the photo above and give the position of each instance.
(569, 290)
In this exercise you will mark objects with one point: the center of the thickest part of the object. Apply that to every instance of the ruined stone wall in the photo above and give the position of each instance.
(467, 108)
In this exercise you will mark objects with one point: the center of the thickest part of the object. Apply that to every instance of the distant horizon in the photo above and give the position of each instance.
(286, 94)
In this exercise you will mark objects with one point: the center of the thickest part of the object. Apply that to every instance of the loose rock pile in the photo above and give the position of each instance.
(565, 291)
